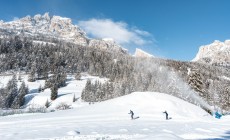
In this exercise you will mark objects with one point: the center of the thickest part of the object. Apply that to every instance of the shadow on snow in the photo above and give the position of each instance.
(226, 136)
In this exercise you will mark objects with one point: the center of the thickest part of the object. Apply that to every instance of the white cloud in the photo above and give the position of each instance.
(119, 31)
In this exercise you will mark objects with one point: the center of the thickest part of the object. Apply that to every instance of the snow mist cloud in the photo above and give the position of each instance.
(119, 31)
(168, 81)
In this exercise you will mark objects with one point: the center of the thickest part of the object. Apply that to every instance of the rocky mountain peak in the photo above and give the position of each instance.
(54, 26)
(216, 52)
(57, 27)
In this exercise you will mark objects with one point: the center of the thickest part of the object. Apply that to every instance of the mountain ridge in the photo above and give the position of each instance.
(214, 53)
(57, 27)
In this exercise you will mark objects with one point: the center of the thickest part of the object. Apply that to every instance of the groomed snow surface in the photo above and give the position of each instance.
(109, 120)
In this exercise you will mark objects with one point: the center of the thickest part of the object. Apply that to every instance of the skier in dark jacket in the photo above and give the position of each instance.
(166, 113)
(132, 114)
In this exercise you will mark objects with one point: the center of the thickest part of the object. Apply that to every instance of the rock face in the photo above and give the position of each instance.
(106, 44)
(141, 53)
(56, 27)
(214, 53)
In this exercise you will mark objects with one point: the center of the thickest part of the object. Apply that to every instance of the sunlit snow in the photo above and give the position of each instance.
(109, 120)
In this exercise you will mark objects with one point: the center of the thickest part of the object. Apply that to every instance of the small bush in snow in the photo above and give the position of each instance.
(47, 104)
(63, 106)
(36, 109)
(11, 112)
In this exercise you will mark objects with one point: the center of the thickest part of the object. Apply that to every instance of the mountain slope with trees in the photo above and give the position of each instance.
(53, 58)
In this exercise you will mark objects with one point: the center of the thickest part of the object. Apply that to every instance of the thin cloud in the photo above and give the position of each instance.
(119, 31)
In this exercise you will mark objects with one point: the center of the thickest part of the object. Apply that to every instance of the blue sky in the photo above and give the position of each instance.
(173, 29)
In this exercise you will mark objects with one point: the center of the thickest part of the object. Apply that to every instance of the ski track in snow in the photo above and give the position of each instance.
(109, 120)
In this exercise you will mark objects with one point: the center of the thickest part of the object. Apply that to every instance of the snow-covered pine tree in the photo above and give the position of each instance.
(31, 77)
(20, 99)
(47, 104)
(47, 84)
(74, 99)
(19, 77)
(3, 95)
(39, 88)
(110, 90)
(86, 91)
(54, 91)
(12, 92)
(195, 80)
(62, 80)
(225, 98)
(78, 76)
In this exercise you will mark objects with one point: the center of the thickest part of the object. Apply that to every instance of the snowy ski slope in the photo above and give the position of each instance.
(109, 120)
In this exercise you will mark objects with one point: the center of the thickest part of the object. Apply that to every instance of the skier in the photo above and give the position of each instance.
(132, 114)
(166, 113)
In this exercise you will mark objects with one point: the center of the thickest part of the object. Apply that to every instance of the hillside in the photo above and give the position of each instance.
(126, 73)
(110, 120)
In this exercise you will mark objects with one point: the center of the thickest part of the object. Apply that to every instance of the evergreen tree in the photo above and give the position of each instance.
(19, 77)
(47, 83)
(20, 99)
(12, 92)
(74, 99)
(39, 88)
(78, 76)
(195, 80)
(32, 73)
(47, 104)
(62, 79)
(86, 92)
(54, 92)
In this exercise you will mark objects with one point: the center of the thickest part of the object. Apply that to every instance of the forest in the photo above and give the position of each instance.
(53, 60)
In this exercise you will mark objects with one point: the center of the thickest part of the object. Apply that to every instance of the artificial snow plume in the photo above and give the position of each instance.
(216, 52)
(168, 81)
(141, 53)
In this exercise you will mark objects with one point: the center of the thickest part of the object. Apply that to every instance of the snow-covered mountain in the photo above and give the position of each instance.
(141, 53)
(57, 27)
(216, 52)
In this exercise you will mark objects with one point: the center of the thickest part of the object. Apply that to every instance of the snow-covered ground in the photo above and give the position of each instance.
(65, 94)
(109, 120)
